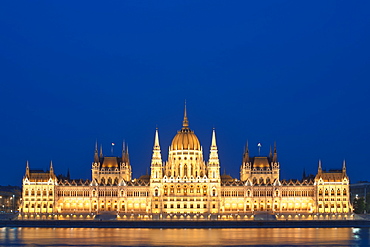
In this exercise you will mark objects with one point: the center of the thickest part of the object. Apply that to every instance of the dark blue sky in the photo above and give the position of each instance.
(287, 71)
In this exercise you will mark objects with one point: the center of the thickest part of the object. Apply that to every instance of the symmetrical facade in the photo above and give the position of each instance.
(185, 187)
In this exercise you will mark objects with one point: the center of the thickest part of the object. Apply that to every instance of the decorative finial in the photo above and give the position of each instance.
(156, 139)
(185, 123)
(213, 138)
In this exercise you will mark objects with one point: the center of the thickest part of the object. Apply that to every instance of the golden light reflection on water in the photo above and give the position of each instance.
(183, 237)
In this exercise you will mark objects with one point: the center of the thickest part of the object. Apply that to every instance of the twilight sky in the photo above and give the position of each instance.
(293, 72)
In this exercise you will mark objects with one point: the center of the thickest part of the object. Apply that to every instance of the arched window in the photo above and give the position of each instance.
(261, 181)
(320, 192)
(332, 192)
(267, 180)
(116, 181)
(156, 192)
(344, 192)
(254, 180)
(103, 180)
(109, 181)
(185, 170)
(326, 192)
(213, 192)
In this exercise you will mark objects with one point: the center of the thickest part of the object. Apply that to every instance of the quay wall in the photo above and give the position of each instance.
(184, 224)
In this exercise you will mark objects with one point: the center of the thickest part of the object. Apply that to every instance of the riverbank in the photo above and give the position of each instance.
(184, 224)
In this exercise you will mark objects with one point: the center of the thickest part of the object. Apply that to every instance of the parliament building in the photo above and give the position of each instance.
(185, 187)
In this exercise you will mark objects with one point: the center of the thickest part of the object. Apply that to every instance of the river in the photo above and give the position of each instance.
(23, 236)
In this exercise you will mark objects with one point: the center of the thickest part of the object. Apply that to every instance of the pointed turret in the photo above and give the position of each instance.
(51, 169)
(125, 167)
(213, 155)
(123, 148)
(344, 168)
(101, 151)
(156, 164)
(246, 154)
(270, 154)
(125, 154)
(96, 154)
(27, 170)
(274, 158)
(68, 175)
(156, 157)
(214, 162)
(319, 170)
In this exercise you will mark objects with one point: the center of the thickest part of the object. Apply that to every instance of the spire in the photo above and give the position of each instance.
(51, 166)
(246, 154)
(125, 155)
(274, 158)
(270, 155)
(213, 154)
(304, 176)
(101, 151)
(213, 144)
(123, 148)
(68, 175)
(96, 154)
(185, 122)
(344, 165)
(156, 140)
(27, 169)
(320, 168)
(156, 163)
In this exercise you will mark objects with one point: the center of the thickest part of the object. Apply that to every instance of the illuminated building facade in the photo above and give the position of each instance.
(186, 187)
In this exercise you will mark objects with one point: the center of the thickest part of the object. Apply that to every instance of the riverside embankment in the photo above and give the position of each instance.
(184, 224)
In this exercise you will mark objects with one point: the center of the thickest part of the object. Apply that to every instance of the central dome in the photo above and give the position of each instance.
(185, 139)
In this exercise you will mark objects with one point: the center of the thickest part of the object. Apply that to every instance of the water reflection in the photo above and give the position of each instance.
(183, 237)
